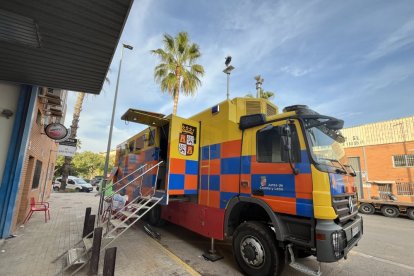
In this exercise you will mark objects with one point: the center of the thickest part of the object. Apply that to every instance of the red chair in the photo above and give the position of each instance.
(33, 208)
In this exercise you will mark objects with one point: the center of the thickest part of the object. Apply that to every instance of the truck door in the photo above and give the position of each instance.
(183, 152)
(269, 175)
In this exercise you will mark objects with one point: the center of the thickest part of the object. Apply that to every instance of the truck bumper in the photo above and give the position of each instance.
(333, 241)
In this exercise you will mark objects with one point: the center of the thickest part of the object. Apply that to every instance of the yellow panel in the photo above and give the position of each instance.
(249, 145)
(186, 129)
(322, 201)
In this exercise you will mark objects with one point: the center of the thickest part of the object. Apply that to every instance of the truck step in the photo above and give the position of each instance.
(87, 243)
(301, 267)
(117, 223)
(304, 269)
(74, 254)
(138, 206)
(129, 214)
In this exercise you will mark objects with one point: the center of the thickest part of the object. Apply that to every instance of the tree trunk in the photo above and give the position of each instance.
(176, 89)
(67, 165)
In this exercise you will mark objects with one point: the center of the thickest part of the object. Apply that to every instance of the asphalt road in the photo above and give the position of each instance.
(387, 248)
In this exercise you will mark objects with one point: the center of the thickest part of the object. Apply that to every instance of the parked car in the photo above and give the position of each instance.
(96, 180)
(73, 183)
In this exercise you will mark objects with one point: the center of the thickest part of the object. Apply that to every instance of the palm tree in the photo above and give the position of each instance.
(73, 130)
(67, 165)
(260, 92)
(178, 70)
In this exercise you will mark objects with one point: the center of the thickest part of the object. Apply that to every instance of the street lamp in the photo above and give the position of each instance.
(227, 71)
(108, 149)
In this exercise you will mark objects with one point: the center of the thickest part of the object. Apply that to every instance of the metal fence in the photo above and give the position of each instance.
(406, 189)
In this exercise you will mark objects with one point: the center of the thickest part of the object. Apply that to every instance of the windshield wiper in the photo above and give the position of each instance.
(353, 173)
(341, 170)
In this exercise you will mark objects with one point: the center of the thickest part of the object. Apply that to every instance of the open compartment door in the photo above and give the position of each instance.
(183, 152)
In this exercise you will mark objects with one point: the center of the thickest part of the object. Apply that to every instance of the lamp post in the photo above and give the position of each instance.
(108, 148)
(227, 71)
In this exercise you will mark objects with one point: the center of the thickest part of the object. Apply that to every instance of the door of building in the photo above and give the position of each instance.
(356, 164)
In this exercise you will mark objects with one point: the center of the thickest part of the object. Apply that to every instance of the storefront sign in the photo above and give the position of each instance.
(56, 131)
(68, 147)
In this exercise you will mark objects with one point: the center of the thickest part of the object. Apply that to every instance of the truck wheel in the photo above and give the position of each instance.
(390, 211)
(255, 250)
(367, 209)
(410, 213)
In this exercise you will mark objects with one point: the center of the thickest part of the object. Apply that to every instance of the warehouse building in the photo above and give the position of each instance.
(383, 153)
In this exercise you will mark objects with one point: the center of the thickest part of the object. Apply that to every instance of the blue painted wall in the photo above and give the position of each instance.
(15, 157)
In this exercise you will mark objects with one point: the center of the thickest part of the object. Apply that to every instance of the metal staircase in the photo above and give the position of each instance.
(115, 223)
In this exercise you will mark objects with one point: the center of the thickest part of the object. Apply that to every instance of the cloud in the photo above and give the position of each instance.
(400, 38)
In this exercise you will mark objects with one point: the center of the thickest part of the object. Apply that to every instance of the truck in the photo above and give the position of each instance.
(388, 207)
(274, 183)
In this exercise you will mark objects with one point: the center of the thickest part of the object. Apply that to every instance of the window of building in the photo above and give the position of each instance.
(405, 189)
(403, 160)
(36, 175)
(270, 145)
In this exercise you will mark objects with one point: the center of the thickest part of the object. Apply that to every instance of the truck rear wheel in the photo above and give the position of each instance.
(255, 250)
(390, 211)
(367, 209)
(410, 213)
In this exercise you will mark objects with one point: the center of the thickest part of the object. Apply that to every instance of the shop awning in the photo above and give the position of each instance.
(67, 44)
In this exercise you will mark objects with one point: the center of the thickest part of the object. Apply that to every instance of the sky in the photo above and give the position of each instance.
(353, 60)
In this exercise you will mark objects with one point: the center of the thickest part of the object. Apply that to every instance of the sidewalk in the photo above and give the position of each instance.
(38, 243)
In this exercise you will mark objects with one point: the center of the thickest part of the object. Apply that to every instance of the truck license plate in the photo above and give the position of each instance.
(354, 231)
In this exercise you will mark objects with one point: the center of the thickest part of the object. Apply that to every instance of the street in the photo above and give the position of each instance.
(386, 248)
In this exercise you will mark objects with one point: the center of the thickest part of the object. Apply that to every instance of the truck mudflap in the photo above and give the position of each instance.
(333, 241)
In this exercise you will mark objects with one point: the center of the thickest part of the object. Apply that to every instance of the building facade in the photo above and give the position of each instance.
(40, 157)
(384, 152)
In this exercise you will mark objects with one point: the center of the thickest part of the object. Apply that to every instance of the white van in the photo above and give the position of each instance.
(73, 183)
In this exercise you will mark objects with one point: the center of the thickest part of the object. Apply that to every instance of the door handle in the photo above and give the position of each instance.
(258, 193)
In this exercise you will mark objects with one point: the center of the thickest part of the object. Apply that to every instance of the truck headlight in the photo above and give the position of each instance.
(339, 243)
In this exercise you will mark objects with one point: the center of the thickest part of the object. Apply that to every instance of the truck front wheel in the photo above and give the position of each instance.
(410, 213)
(255, 250)
(390, 211)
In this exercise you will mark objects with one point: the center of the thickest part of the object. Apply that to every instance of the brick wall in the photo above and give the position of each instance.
(379, 166)
(40, 148)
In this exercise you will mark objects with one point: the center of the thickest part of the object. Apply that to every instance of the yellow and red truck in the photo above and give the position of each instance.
(274, 182)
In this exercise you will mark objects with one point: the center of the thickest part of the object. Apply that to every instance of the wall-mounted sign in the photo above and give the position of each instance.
(68, 147)
(56, 131)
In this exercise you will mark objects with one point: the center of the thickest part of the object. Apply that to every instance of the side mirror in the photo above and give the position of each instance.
(287, 146)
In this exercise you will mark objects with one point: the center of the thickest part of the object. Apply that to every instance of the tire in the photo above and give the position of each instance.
(410, 213)
(88, 191)
(367, 208)
(78, 190)
(255, 250)
(390, 211)
(56, 189)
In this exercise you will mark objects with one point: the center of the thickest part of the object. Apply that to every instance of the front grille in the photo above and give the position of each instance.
(342, 208)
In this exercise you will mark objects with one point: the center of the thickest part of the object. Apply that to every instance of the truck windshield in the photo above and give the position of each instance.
(325, 145)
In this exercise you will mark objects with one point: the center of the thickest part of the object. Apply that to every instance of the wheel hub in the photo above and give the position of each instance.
(252, 252)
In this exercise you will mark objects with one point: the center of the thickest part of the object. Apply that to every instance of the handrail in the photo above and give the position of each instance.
(142, 174)
(109, 186)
